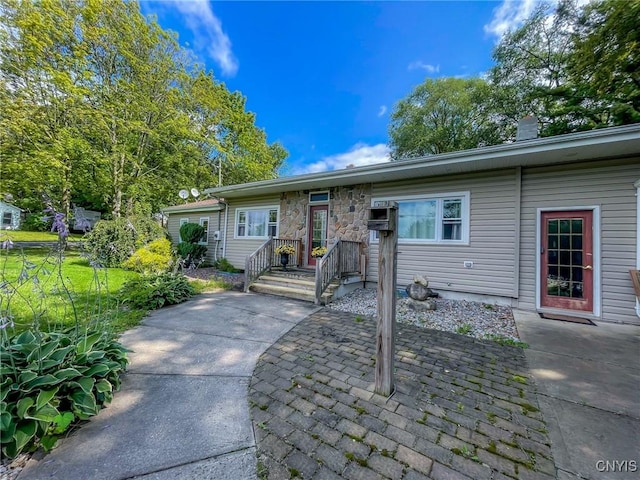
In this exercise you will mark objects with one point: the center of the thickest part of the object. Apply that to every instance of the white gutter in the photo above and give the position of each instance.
(637, 185)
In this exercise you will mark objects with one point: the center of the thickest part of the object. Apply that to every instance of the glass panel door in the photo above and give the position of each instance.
(567, 260)
(318, 217)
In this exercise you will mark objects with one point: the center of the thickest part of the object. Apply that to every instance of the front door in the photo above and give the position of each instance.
(567, 260)
(318, 215)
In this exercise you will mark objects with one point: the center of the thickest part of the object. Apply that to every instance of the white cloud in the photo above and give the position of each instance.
(509, 16)
(423, 66)
(208, 34)
(359, 155)
(382, 111)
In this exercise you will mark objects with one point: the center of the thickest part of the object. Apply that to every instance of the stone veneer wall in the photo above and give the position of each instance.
(293, 215)
(348, 214)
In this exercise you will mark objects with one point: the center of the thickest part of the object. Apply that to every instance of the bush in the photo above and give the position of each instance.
(112, 242)
(224, 265)
(190, 251)
(155, 257)
(192, 254)
(191, 232)
(35, 223)
(156, 291)
(50, 380)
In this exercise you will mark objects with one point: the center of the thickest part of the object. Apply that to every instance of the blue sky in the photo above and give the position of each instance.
(323, 77)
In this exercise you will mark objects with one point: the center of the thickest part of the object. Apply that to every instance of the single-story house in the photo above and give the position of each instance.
(10, 215)
(546, 224)
(209, 213)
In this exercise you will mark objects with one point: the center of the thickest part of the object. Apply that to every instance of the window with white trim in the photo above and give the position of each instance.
(204, 223)
(257, 222)
(432, 219)
(182, 222)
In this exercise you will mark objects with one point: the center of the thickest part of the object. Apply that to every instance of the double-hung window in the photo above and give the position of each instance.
(432, 219)
(257, 222)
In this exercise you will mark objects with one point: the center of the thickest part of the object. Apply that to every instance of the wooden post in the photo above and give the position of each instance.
(386, 331)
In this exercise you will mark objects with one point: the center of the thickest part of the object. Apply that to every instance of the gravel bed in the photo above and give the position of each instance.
(10, 469)
(475, 319)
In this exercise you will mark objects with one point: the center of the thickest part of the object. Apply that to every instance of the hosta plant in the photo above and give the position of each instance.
(49, 380)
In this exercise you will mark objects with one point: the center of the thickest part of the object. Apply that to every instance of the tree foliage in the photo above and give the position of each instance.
(104, 108)
(573, 68)
(443, 115)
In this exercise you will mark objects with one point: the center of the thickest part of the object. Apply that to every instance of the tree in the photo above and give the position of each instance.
(575, 69)
(104, 108)
(604, 66)
(444, 115)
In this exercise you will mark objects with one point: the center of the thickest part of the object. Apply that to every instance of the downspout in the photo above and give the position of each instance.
(637, 185)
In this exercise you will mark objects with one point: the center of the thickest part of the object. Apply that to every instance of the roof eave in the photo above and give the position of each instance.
(179, 209)
(560, 149)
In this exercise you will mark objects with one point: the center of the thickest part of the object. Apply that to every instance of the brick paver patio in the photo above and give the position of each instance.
(463, 408)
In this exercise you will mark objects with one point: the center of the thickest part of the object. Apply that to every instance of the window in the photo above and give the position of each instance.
(182, 222)
(7, 218)
(318, 197)
(257, 223)
(204, 222)
(441, 219)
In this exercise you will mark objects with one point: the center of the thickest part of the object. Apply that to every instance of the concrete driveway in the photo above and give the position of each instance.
(589, 392)
(182, 411)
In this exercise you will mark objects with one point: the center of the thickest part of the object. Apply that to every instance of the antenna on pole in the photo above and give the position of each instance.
(195, 192)
(183, 194)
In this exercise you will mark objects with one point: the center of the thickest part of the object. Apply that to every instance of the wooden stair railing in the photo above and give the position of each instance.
(266, 257)
(257, 263)
(341, 257)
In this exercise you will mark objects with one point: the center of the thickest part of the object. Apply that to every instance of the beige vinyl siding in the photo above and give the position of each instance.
(239, 248)
(608, 185)
(215, 223)
(492, 232)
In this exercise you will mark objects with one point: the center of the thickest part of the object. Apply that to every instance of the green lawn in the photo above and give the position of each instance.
(24, 236)
(36, 288)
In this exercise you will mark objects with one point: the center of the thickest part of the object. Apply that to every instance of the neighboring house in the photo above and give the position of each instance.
(10, 216)
(548, 224)
(84, 220)
(208, 213)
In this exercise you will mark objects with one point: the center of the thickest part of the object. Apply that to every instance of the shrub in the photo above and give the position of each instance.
(190, 251)
(35, 223)
(191, 232)
(224, 265)
(50, 380)
(156, 291)
(156, 257)
(111, 242)
(191, 254)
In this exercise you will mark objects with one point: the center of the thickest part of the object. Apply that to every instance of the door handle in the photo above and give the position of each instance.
(587, 267)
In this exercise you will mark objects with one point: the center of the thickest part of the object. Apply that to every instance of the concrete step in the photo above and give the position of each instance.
(290, 292)
(291, 282)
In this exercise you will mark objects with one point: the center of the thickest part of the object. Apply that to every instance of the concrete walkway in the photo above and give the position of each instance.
(182, 412)
(589, 392)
